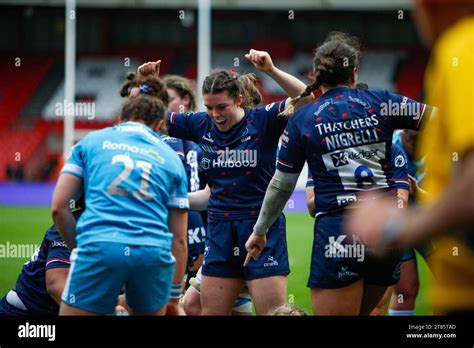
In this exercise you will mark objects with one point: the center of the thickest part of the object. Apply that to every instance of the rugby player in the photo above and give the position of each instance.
(448, 144)
(345, 136)
(239, 146)
(135, 189)
(41, 282)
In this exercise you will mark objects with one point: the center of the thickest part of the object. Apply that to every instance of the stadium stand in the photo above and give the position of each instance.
(36, 92)
(97, 83)
(17, 139)
(378, 68)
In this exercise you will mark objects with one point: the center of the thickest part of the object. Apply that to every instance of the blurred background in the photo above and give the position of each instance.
(114, 36)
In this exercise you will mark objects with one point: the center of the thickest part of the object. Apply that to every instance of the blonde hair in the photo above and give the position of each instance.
(289, 310)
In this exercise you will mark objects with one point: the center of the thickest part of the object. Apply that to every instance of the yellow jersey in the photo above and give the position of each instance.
(449, 85)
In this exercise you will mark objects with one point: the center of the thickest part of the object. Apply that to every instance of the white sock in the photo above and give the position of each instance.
(400, 312)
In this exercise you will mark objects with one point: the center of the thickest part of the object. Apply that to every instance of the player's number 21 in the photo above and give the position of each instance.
(142, 193)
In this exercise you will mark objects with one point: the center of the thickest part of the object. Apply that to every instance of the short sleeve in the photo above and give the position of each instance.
(292, 153)
(179, 196)
(309, 181)
(176, 145)
(58, 254)
(75, 163)
(275, 123)
(400, 168)
(188, 126)
(405, 113)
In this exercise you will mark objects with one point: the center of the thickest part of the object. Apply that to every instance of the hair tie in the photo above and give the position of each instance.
(144, 88)
(233, 72)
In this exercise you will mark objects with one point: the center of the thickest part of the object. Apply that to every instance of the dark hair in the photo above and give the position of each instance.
(234, 85)
(130, 82)
(333, 63)
(183, 87)
(155, 87)
(148, 105)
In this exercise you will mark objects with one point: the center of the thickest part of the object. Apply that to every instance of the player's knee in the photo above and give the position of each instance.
(192, 303)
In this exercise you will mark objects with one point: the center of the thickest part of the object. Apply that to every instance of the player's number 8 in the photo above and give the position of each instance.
(142, 193)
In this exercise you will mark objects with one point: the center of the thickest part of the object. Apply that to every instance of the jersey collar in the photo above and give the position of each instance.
(334, 91)
(133, 123)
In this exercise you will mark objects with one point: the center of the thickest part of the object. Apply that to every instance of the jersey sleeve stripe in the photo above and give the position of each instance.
(285, 164)
(178, 202)
(73, 169)
(173, 114)
(401, 181)
(58, 259)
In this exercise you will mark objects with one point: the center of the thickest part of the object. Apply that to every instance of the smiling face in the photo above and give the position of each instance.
(224, 111)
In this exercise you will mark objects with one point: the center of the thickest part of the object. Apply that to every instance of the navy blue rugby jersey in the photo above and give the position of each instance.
(189, 153)
(238, 163)
(346, 137)
(399, 165)
(31, 283)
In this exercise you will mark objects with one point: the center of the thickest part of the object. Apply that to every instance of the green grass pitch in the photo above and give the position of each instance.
(27, 225)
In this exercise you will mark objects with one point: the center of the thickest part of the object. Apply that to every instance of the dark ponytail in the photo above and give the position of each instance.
(333, 64)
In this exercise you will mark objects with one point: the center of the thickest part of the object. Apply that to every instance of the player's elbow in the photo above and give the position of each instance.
(55, 281)
(58, 211)
(54, 291)
(179, 242)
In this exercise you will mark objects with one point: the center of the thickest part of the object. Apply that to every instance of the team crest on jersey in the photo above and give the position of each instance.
(245, 137)
(205, 163)
(400, 161)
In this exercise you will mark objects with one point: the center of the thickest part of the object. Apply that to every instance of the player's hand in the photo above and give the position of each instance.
(413, 185)
(368, 218)
(261, 60)
(120, 311)
(149, 69)
(172, 308)
(254, 246)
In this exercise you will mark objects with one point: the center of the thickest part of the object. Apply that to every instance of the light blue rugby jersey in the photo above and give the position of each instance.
(131, 178)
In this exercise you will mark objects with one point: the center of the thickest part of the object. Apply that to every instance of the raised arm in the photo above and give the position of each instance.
(149, 68)
(263, 62)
